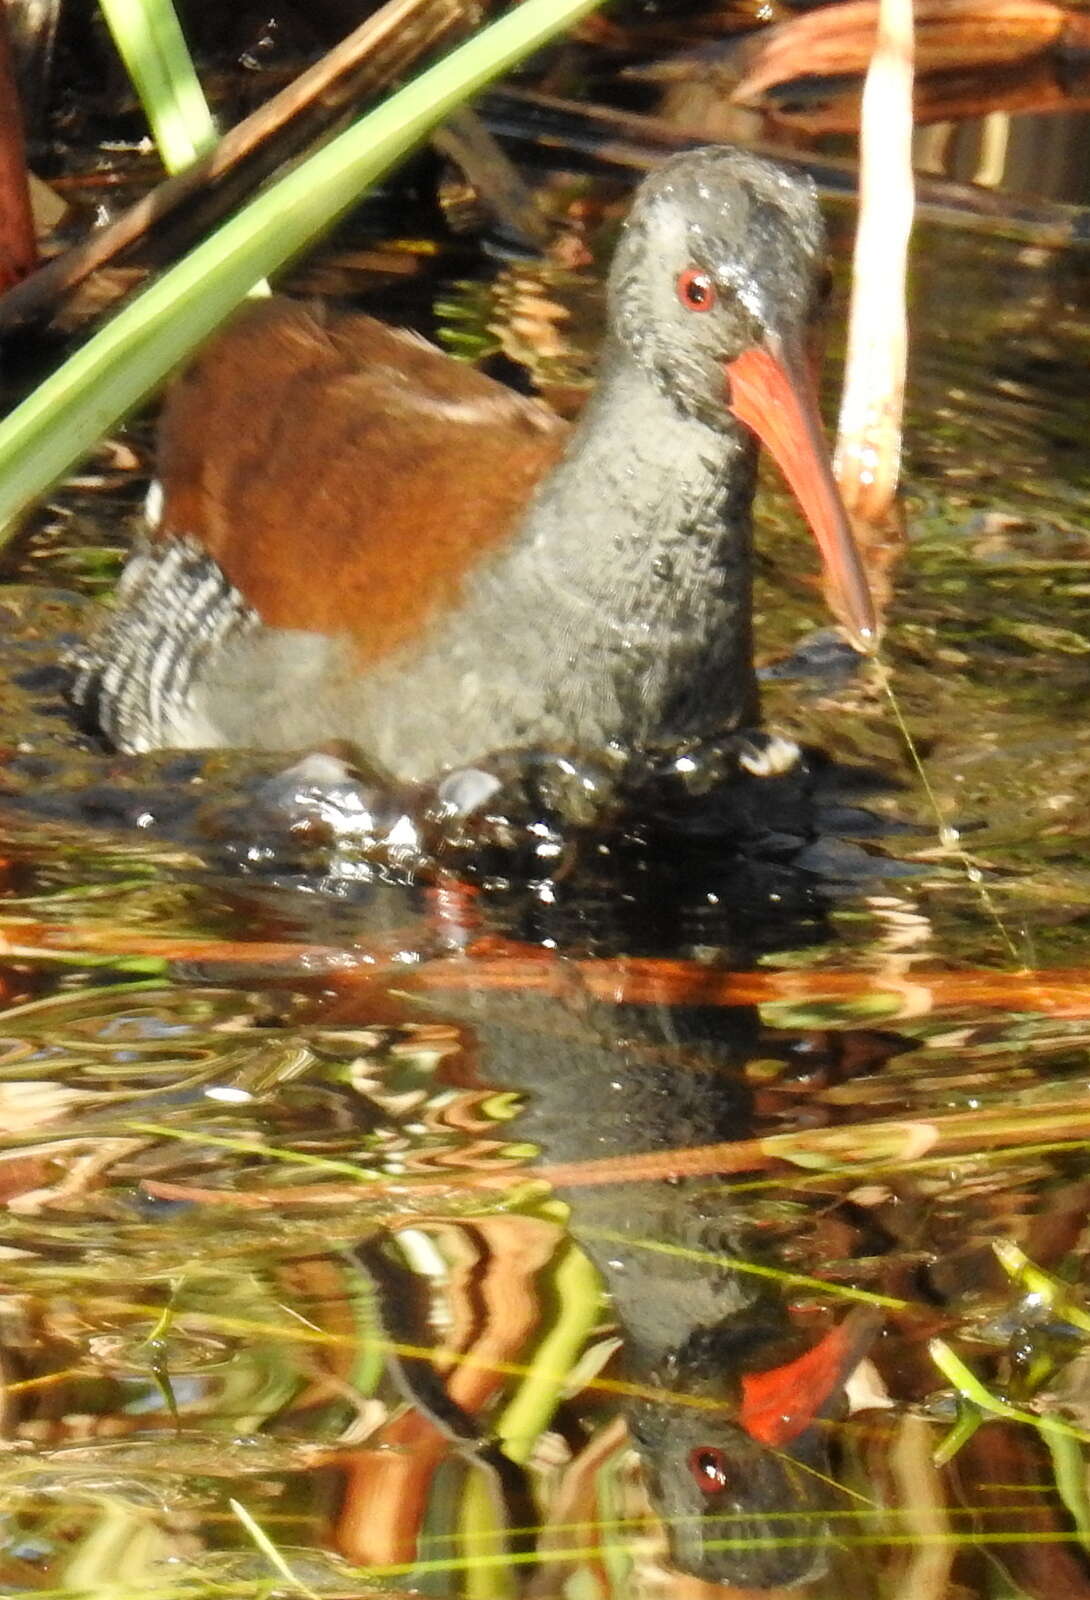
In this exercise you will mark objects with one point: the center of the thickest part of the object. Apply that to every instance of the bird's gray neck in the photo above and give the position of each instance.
(641, 542)
(619, 614)
(621, 1081)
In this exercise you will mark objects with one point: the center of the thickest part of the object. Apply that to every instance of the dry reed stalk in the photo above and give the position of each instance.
(868, 451)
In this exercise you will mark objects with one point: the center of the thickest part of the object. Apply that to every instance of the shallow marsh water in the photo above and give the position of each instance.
(221, 1078)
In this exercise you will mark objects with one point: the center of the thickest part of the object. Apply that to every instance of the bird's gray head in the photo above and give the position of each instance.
(735, 1511)
(721, 251)
(718, 275)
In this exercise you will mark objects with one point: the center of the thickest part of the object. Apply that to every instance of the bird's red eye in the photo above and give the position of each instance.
(696, 289)
(710, 1468)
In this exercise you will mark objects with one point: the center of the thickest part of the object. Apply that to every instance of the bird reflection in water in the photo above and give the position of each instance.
(727, 1402)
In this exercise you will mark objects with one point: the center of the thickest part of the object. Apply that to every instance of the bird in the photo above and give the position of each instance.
(728, 1406)
(355, 537)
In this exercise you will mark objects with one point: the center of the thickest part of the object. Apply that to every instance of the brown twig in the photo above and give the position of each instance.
(545, 127)
(466, 141)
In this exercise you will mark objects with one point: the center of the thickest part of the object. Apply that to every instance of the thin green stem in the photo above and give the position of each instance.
(150, 42)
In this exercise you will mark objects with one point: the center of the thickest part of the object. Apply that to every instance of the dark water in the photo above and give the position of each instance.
(270, 1127)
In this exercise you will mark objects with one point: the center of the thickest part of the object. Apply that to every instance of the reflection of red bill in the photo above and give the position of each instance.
(772, 392)
(781, 1403)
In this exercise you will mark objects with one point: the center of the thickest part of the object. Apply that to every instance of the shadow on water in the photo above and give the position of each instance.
(291, 1297)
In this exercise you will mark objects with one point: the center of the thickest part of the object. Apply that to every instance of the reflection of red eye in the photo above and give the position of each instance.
(710, 1468)
(695, 289)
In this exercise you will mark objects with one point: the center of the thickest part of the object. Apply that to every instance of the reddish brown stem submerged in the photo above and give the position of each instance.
(493, 965)
(18, 245)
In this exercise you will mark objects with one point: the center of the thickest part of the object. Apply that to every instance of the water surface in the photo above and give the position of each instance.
(230, 1078)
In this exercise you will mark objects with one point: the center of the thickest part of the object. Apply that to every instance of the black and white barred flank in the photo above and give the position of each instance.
(133, 677)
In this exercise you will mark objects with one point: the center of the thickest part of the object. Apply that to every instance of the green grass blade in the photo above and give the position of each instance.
(969, 1386)
(150, 41)
(577, 1288)
(268, 1549)
(128, 358)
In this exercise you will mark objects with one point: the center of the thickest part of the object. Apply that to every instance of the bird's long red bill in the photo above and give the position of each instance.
(782, 1402)
(772, 392)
